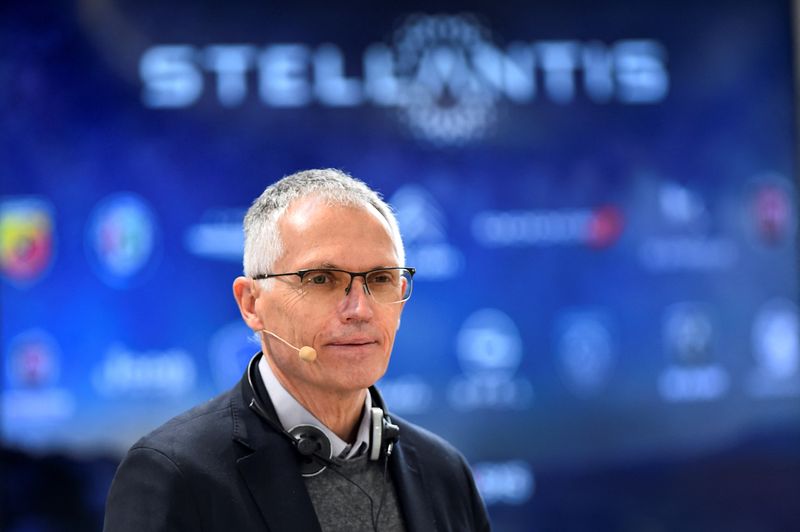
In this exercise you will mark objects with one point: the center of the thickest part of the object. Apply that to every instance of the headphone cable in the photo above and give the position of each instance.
(373, 517)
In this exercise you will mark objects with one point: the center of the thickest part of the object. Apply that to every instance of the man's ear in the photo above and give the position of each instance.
(245, 292)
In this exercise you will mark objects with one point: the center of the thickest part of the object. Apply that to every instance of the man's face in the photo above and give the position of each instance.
(354, 334)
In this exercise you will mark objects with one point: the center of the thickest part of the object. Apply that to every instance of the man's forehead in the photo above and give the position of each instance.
(316, 232)
(316, 212)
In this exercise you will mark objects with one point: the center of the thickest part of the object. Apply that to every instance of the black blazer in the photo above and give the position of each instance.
(219, 467)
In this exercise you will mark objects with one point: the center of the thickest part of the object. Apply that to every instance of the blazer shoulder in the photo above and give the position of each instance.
(424, 440)
(162, 479)
(433, 452)
(446, 476)
(197, 428)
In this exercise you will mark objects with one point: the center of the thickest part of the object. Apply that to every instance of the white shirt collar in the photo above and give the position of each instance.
(291, 413)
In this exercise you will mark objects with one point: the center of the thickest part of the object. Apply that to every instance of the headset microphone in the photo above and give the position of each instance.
(306, 353)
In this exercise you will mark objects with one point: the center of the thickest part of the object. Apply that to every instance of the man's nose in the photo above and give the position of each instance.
(357, 302)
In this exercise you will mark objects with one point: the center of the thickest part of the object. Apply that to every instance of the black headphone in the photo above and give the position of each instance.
(311, 442)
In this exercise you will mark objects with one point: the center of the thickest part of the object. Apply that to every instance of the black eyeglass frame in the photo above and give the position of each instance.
(302, 273)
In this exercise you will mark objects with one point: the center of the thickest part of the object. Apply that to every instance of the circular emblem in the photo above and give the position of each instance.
(489, 344)
(446, 101)
(775, 339)
(122, 239)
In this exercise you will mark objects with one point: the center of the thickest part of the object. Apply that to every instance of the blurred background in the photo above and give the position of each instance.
(599, 198)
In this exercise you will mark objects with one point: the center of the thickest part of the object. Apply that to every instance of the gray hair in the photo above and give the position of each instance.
(262, 240)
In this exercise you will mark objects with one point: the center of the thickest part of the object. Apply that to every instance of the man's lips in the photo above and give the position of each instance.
(352, 342)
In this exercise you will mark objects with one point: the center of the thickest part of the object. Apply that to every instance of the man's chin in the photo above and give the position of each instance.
(347, 381)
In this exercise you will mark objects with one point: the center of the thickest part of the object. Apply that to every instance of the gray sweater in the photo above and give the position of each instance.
(342, 507)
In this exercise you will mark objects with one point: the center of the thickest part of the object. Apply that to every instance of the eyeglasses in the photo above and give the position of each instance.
(385, 285)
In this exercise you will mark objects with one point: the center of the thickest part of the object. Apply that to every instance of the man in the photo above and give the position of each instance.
(304, 441)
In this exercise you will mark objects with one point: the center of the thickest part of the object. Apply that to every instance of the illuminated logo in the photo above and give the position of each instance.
(681, 206)
(217, 236)
(776, 350)
(596, 228)
(122, 239)
(229, 351)
(489, 343)
(585, 353)
(446, 100)
(688, 334)
(510, 482)
(124, 372)
(680, 238)
(692, 373)
(32, 360)
(424, 229)
(773, 214)
(444, 75)
(489, 349)
(32, 395)
(26, 238)
(776, 339)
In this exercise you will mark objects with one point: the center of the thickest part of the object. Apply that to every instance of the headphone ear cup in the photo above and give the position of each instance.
(376, 434)
(314, 448)
(383, 433)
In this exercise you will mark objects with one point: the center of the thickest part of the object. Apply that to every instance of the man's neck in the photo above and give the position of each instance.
(339, 411)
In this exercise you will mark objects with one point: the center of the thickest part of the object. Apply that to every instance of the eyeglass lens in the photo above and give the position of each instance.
(385, 286)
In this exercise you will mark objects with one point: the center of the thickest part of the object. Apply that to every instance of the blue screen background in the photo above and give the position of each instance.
(604, 319)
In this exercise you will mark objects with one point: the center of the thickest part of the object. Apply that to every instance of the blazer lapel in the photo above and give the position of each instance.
(404, 466)
(269, 466)
(278, 489)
